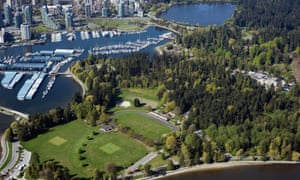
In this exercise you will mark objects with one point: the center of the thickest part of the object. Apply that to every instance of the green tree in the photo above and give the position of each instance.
(147, 169)
(171, 143)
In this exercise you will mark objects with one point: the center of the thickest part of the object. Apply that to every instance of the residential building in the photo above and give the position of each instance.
(25, 32)
(121, 9)
(7, 14)
(68, 18)
(88, 12)
(48, 19)
(28, 15)
(2, 35)
(18, 19)
(104, 12)
(1, 20)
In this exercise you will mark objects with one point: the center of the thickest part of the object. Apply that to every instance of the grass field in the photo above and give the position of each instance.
(121, 24)
(147, 96)
(142, 125)
(63, 142)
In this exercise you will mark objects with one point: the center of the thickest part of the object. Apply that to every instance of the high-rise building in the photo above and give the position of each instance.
(1, 20)
(87, 9)
(7, 14)
(49, 20)
(28, 15)
(104, 12)
(106, 4)
(44, 13)
(18, 19)
(2, 35)
(68, 18)
(121, 9)
(35, 2)
(25, 32)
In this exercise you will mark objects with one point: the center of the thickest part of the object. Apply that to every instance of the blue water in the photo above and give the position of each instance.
(64, 88)
(203, 14)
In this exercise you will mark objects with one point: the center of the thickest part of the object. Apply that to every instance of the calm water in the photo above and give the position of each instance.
(267, 172)
(201, 14)
(64, 88)
(5, 121)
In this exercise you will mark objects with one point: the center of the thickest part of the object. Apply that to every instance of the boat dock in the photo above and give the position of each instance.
(8, 77)
(16, 79)
(30, 86)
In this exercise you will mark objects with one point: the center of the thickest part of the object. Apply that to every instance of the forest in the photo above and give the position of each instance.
(235, 114)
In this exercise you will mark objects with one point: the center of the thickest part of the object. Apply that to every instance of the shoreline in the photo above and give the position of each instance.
(78, 81)
(223, 165)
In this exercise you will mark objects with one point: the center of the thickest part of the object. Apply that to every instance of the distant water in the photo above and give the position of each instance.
(202, 14)
(64, 88)
(264, 172)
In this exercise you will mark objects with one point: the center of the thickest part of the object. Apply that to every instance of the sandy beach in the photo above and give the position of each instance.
(213, 166)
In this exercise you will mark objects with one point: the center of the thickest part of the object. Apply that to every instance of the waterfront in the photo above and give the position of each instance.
(203, 14)
(257, 172)
(64, 88)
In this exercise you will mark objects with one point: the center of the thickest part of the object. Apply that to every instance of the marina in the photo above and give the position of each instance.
(129, 46)
(39, 65)
(63, 87)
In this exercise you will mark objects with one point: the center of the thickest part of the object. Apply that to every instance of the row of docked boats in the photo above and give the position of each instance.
(11, 79)
(128, 47)
(31, 86)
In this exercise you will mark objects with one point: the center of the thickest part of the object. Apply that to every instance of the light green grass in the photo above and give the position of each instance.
(121, 24)
(147, 96)
(75, 135)
(110, 148)
(158, 161)
(142, 125)
(57, 141)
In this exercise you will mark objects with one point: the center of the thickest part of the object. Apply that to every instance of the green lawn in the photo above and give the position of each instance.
(142, 125)
(147, 96)
(63, 142)
(121, 24)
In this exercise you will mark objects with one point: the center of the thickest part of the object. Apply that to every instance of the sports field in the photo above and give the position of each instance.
(141, 124)
(63, 142)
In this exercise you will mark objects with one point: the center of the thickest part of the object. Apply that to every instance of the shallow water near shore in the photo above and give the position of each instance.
(253, 172)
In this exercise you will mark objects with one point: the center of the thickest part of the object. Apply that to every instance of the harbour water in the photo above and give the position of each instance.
(64, 88)
(203, 14)
(261, 172)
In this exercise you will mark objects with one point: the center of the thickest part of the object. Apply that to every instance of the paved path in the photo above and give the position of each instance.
(4, 146)
(143, 113)
(9, 111)
(142, 161)
(14, 157)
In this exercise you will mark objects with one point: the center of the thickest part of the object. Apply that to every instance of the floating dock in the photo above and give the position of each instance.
(16, 79)
(8, 77)
(30, 86)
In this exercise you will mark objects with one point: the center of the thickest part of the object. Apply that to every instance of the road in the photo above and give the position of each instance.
(12, 170)
(14, 158)
(142, 161)
(4, 146)
(165, 123)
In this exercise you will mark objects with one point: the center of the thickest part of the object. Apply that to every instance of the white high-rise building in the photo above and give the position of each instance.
(2, 33)
(25, 31)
